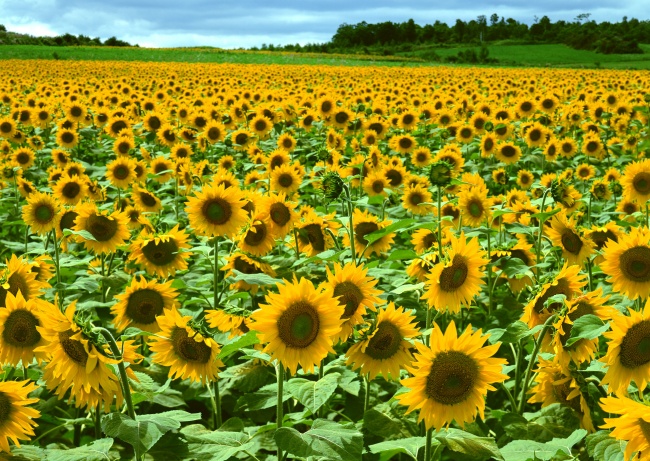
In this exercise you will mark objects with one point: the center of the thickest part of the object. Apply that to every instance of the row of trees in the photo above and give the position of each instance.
(13, 38)
(581, 33)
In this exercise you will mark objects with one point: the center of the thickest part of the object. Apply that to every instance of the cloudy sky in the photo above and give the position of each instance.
(247, 23)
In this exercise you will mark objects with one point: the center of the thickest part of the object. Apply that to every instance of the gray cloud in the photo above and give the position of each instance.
(249, 23)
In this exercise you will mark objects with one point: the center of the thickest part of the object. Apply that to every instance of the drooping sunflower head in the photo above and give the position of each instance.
(355, 291)
(384, 349)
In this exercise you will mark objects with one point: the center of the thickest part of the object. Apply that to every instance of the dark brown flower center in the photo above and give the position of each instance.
(453, 277)
(562, 287)
(641, 183)
(635, 346)
(71, 190)
(20, 329)
(364, 228)
(144, 305)
(44, 213)
(350, 296)
(385, 342)
(217, 211)
(161, 253)
(101, 227)
(452, 378)
(189, 350)
(571, 242)
(280, 214)
(256, 235)
(299, 325)
(635, 264)
(285, 180)
(73, 348)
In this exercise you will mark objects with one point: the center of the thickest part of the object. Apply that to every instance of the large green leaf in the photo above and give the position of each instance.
(265, 397)
(313, 394)
(238, 343)
(95, 451)
(206, 445)
(376, 235)
(586, 327)
(603, 447)
(410, 447)
(325, 440)
(525, 450)
(463, 442)
(146, 430)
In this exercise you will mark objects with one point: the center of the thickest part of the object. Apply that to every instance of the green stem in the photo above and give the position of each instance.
(122, 369)
(647, 220)
(26, 237)
(489, 268)
(216, 405)
(541, 228)
(98, 422)
(295, 238)
(279, 409)
(591, 286)
(427, 446)
(351, 223)
(510, 397)
(531, 363)
(58, 270)
(366, 397)
(215, 303)
(439, 224)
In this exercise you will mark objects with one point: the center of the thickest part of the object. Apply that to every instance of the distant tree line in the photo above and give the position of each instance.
(581, 33)
(14, 38)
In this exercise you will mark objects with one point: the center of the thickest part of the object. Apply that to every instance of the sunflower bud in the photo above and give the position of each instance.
(440, 173)
(323, 154)
(489, 126)
(559, 192)
(332, 185)
(616, 188)
(646, 98)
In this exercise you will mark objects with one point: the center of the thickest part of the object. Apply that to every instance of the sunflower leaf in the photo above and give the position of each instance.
(96, 451)
(601, 445)
(524, 450)
(376, 235)
(248, 339)
(313, 394)
(469, 444)
(586, 327)
(206, 445)
(410, 446)
(325, 440)
(81, 233)
(255, 279)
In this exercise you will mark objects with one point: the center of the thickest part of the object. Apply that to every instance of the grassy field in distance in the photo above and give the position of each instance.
(507, 55)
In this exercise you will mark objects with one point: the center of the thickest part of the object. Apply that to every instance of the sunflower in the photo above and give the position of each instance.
(521, 251)
(355, 291)
(241, 139)
(121, 172)
(592, 146)
(247, 265)
(636, 181)
(161, 254)
(108, 231)
(424, 240)
(508, 153)
(18, 334)
(146, 201)
(632, 426)
(43, 268)
(217, 211)
(23, 157)
(576, 248)
(117, 125)
(65, 220)
(627, 263)
(364, 224)
(384, 348)
(227, 322)
(592, 303)
(488, 145)
(404, 143)
(285, 179)
(455, 282)
(555, 384)
(298, 324)
(416, 198)
(281, 212)
(567, 282)
(214, 132)
(187, 353)
(166, 135)
(141, 303)
(16, 419)
(601, 237)
(152, 122)
(453, 156)
(17, 277)
(7, 127)
(41, 212)
(70, 189)
(628, 354)
(258, 238)
(75, 363)
(325, 106)
(421, 157)
(67, 137)
(123, 145)
(568, 147)
(313, 234)
(475, 206)
(451, 377)
(375, 183)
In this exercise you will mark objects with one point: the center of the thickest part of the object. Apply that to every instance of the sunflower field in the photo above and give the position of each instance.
(218, 262)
